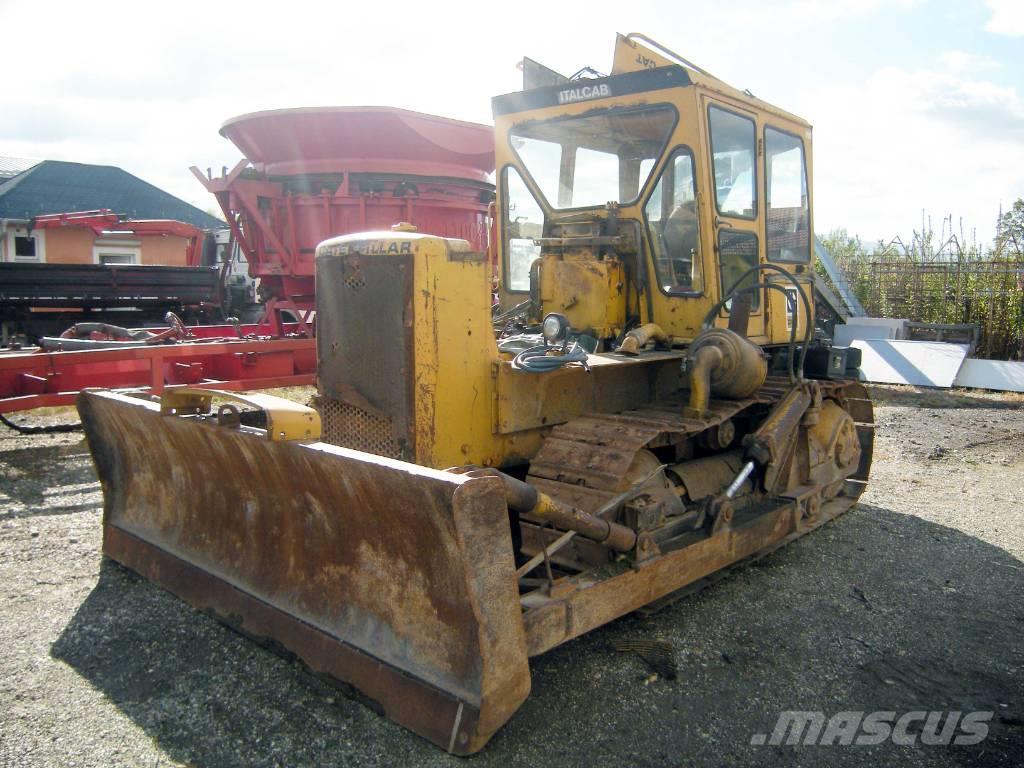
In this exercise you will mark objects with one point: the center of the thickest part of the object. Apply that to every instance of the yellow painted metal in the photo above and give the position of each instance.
(454, 351)
(679, 316)
(639, 336)
(833, 443)
(590, 293)
(631, 56)
(469, 406)
(527, 405)
(394, 578)
(441, 542)
(722, 363)
(286, 420)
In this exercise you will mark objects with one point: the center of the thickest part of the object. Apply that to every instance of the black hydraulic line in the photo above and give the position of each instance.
(45, 430)
(750, 289)
(808, 332)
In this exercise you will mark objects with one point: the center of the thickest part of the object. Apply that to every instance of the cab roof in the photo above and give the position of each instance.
(659, 71)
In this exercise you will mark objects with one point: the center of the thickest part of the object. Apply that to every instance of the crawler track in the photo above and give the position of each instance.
(584, 461)
(587, 461)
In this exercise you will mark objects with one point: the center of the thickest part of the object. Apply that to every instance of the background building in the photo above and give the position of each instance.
(31, 188)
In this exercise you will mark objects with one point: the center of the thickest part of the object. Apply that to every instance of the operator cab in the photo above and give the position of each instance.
(648, 196)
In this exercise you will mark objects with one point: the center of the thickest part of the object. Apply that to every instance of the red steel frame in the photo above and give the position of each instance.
(35, 380)
(214, 355)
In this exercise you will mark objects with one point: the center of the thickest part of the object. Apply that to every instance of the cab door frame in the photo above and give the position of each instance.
(724, 224)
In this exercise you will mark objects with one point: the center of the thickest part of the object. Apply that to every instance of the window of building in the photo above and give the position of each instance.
(25, 245)
(733, 155)
(116, 254)
(117, 258)
(788, 235)
(672, 221)
(25, 248)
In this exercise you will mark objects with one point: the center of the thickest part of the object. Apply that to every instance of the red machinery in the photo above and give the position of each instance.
(215, 356)
(321, 172)
(310, 174)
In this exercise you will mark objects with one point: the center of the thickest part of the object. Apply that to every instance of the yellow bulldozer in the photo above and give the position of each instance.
(645, 404)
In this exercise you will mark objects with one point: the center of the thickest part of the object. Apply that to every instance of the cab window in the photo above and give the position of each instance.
(737, 253)
(733, 152)
(672, 222)
(523, 224)
(585, 161)
(788, 231)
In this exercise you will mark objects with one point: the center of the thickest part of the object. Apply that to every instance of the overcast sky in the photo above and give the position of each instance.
(916, 104)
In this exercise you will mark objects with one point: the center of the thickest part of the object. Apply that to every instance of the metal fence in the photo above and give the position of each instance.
(986, 292)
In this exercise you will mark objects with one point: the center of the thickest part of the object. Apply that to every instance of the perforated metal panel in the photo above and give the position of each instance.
(352, 427)
(364, 343)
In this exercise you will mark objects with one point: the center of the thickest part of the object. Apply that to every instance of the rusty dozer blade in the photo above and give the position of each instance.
(393, 578)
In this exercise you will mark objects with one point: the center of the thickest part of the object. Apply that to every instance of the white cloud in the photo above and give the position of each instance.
(1007, 17)
(906, 140)
(962, 62)
(822, 11)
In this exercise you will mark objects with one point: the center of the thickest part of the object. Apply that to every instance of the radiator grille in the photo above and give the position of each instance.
(355, 281)
(352, 427)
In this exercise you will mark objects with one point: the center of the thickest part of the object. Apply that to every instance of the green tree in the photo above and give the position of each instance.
(1010, 231)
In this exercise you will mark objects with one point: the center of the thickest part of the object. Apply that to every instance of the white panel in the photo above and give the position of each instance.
(921, 363)
(991, 374)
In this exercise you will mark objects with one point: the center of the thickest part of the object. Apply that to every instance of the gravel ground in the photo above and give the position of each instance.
(913, 600)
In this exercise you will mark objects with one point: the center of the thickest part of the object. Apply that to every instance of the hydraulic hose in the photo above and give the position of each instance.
(537, 360)
(709, 320)
(43, 430)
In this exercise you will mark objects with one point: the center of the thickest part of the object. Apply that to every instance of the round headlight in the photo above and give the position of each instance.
(555, 328)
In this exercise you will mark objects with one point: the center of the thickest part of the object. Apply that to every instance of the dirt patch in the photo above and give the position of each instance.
(913, 600)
